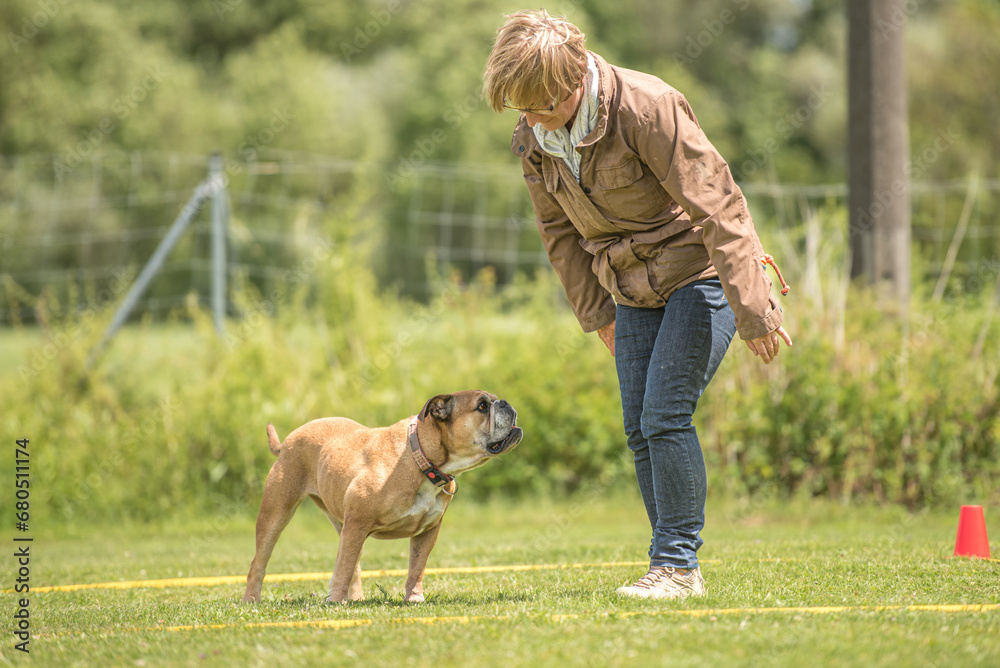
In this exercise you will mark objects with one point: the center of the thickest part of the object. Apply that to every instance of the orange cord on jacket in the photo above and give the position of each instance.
(769, 260)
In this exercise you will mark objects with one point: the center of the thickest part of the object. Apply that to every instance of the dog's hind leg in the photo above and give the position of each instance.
(276, 509)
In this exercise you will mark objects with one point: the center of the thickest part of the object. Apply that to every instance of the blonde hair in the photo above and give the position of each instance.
(536, 58)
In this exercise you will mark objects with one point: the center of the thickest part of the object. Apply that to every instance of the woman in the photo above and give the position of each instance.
(653, 243)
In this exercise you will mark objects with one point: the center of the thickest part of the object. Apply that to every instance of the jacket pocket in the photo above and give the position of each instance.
(621, 273)
(551, 178)
(630, 191)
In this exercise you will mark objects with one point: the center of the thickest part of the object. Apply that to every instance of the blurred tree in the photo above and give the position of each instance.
(954, 99)
(395, 83)
(879, 200)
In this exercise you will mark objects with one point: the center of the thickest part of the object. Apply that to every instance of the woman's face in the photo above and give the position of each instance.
(560, 115)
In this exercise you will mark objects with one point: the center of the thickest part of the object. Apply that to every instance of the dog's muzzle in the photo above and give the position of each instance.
(503, 418)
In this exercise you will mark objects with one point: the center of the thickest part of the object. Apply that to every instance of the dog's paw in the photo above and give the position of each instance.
(415, 598)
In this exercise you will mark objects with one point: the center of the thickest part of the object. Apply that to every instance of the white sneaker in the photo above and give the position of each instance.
(667, 582)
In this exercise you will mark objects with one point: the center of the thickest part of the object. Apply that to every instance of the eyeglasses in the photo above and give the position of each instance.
(549, 110)
(536, 112)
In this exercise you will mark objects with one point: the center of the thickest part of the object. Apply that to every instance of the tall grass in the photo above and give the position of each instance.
(171, 419)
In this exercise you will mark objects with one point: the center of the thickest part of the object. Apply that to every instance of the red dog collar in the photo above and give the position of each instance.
(438, 477)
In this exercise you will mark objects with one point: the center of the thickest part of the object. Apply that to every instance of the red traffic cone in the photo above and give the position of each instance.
(971, 540)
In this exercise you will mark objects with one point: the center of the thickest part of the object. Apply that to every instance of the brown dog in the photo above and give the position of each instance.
(388, 482)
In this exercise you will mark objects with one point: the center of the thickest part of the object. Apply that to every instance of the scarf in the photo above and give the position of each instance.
(562, 143)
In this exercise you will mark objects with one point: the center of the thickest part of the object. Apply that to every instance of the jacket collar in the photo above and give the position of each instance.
(607, 90)
(524, 143)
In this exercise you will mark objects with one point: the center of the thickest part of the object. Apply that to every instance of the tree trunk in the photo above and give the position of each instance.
(878, 147)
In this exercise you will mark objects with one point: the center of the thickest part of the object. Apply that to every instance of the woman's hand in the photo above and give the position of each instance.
(766, 347)
(607, 334)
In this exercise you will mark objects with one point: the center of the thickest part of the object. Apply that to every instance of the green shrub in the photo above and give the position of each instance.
(172, 419)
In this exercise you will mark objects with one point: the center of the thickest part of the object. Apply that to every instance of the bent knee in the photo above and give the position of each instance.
(662, 424)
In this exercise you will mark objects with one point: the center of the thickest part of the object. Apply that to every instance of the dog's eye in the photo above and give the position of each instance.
(483, 405)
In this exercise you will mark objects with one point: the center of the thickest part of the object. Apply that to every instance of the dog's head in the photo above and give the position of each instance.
(474, 426)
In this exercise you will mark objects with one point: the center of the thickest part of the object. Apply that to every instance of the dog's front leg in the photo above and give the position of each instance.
(420, 549)
(345, 585)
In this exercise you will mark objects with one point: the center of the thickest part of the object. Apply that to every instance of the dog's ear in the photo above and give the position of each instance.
(440, 407)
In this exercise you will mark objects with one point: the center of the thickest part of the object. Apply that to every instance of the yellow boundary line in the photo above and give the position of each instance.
(214, 581)
(340, 624)
(300, 577)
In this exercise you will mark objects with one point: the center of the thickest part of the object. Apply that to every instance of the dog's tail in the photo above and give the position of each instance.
(272, 440)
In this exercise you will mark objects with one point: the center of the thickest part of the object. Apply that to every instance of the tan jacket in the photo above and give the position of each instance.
(655, 208)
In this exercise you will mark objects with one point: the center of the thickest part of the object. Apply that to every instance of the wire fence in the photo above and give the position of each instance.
(71, 234)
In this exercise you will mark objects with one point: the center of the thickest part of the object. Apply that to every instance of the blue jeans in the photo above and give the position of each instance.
(665, 358)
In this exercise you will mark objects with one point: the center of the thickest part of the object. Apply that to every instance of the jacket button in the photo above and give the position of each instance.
(520, 149)
(586, 190)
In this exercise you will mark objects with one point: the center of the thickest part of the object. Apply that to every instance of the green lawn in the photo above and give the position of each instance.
(770, 571)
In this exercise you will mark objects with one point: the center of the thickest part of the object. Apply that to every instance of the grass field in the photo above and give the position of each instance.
(799, 584)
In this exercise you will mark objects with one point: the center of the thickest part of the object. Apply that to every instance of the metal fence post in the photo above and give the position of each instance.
(201, 192)
(220, 225)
